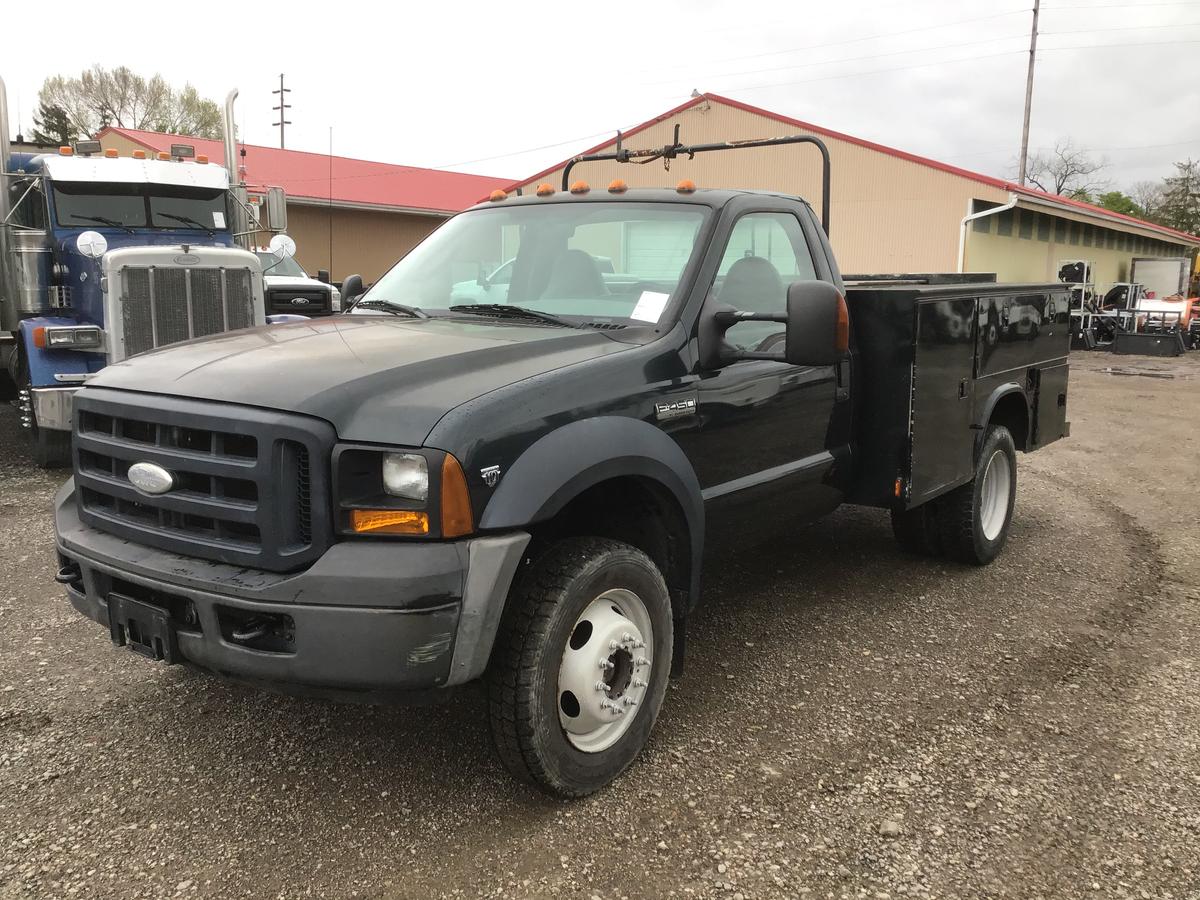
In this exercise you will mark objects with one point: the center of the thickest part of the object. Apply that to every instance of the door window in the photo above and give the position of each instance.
(766, 252)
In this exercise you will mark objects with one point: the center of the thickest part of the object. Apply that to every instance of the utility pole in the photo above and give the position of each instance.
(284, 106)
(1028, 96)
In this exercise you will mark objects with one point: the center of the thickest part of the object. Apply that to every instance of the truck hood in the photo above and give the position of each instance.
(296, 281)
(380, 379)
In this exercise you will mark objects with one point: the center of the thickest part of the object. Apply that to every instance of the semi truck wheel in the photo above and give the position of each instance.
(51, 448)
(580, 665)
(917, 530)
(975, 518)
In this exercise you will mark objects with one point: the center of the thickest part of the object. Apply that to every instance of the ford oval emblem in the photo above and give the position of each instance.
(150, 478)
(299, 301)
(187, 259)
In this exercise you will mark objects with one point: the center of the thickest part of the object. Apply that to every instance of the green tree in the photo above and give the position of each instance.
(1180, 207)
(52, 125)
(121, 97)
(1120, 203)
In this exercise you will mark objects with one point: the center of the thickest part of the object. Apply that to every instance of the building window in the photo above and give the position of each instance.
(1004, 223)
(1043, 224)
(1060, 231)
(1026, 224)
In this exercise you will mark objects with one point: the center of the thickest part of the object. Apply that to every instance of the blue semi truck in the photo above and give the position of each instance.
(103, 257)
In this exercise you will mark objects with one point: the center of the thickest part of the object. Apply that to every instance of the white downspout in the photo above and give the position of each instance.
(962, 228)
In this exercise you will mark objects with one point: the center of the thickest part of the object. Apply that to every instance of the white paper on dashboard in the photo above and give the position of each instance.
(650, 306)
(218, 220)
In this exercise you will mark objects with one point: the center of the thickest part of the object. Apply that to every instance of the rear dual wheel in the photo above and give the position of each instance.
(969, 524)
(580, 666)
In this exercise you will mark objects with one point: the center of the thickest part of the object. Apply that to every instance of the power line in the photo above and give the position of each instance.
(1126, 28)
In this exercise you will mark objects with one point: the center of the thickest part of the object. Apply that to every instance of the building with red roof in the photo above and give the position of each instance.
(346, 215)
(892, 211)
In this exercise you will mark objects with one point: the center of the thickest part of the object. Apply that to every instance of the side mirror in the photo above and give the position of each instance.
(323, 276)
(352, 287)
(817, 329)
(282, 245)
(276, 209)
(818, 324)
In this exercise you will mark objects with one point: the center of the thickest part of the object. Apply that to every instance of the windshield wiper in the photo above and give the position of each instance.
(398, 309)
(187, 220)
(509, 311)
(101, 220)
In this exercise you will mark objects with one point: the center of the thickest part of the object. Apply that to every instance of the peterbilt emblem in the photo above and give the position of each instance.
(675, 409)
(150, 478)
(186, 259)
(491, 475)
(299, 301)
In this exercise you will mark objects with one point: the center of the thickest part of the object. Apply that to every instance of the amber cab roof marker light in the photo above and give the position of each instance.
(580, 187)
(544, 190)
(687, 186)
(111, 153)
(497, 196)
(617, 186)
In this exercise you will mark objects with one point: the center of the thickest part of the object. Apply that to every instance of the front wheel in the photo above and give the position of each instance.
(51, 448)
(975, 518)
(580, 666)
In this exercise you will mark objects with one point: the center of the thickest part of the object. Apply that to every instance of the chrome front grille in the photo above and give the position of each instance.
(157, 296)
(246, 481)
(161, 306)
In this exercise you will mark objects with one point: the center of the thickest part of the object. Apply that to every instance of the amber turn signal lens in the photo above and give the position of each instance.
(39, 337)
(545, 190)
(457, 517)
(389, 521)
(841, 338)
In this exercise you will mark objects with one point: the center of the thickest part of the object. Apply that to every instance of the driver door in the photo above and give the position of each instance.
(764, 426)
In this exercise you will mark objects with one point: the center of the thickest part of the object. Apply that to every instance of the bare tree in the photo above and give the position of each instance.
(1067, 171)
(1148, 195)
(120, 97)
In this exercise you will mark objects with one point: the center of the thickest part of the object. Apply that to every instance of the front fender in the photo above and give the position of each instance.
(45, 363)
(562, 464)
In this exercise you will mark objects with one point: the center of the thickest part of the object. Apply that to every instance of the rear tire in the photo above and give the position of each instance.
(975, 518)
(585, 603)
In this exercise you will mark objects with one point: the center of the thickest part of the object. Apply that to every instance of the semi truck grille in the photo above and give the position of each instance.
(161, 305)
(248, 484)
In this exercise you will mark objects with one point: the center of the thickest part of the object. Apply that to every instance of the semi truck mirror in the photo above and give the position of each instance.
(276, 209)
(818, 324)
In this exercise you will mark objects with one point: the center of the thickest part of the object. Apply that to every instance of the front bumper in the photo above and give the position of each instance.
(53, 407)
(367, 617)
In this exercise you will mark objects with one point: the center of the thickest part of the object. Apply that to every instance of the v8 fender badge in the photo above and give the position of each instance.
(491, 475)
(674, 409)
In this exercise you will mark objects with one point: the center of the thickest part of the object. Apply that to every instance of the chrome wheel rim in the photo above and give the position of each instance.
(993, 495)
(605, 670)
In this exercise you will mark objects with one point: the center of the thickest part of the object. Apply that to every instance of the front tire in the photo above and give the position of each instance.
(580, 666)
(51, 448)
(975, 518)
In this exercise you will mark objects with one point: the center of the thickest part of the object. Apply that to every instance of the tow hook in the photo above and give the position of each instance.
(69, 575)
(254, 630)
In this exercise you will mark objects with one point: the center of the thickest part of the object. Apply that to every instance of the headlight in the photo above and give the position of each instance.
(335, 300)
(87, 338)
(406, 475)
(91, 244)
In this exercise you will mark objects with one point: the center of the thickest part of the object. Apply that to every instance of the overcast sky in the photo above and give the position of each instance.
(469, 86)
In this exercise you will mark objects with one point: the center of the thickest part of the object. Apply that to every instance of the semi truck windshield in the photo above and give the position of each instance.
(86, 204)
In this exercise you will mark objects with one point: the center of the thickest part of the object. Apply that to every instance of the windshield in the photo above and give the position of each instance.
(598, 263)
(87, 204)
(281, 265)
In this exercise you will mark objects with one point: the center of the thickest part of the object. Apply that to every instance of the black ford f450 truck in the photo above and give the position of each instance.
(504, 463)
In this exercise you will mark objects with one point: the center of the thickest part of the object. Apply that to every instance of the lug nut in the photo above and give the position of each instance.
(641, 661)
(606, 664)
(601, 686)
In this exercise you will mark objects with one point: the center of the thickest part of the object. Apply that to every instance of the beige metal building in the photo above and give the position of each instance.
(891, 211)
(347, 215)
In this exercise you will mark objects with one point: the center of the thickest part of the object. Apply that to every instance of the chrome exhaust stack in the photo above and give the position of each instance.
(7, 300)
(241, 221)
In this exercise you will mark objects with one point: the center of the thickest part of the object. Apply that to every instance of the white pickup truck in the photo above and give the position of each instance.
(288, 288)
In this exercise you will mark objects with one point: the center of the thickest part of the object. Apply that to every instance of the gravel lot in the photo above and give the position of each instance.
(853, 722)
